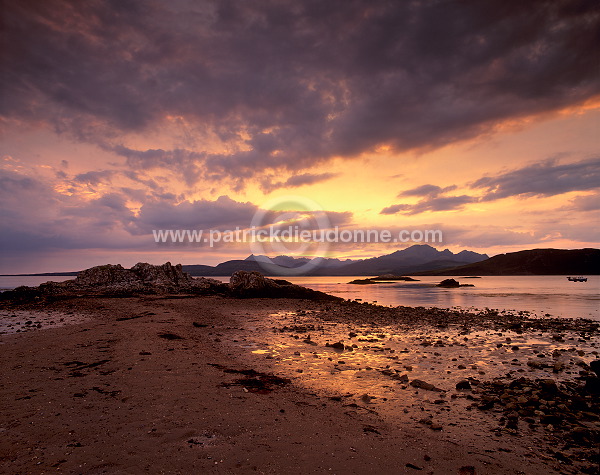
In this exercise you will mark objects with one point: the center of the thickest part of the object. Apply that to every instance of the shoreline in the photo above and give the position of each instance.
(122, 391)
(530, 296)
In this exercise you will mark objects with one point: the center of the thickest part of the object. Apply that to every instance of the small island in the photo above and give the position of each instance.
(383, 278)
(452, 284)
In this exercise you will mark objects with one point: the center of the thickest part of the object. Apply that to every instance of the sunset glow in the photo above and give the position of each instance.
(120, 118)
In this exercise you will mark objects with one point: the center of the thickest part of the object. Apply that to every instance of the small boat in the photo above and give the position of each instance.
(577, 279)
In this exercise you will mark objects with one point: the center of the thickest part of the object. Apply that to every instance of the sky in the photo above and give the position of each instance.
(120, 117)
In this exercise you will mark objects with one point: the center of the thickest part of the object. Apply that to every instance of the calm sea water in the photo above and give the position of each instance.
(541, 295)
(553, 295)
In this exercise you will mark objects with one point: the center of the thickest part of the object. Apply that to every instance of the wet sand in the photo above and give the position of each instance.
(21, 321)
(214, 385)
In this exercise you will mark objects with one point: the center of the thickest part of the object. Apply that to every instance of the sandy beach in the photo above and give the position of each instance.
(188, 384)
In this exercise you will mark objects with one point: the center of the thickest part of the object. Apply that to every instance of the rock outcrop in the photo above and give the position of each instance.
(141, 273)
(242, 281)
(144, 278)
(166, 274)
(451, 284)
(103, 275)
(254, 284)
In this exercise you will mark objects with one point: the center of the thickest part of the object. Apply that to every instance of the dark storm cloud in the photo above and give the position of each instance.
(306, 219)
(442, 203)
(586, 203)
(547, 178)
(308, 179)
(269, 184)
(95, 177)
(543, 179)
(292, 83)
(422, 190)
(202, 214)
(36, 217)
(425, 190)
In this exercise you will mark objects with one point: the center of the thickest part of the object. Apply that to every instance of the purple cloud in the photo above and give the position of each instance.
(288, 85)
(546, 178)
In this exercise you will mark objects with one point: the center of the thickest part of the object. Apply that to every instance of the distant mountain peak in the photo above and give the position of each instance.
(416, 258)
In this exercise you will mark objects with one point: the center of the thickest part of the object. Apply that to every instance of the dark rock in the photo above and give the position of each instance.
(369, 428)
(548, 386)
(414, 467)
(449, 283)
(254, 284)
(103, 275)
(558, 367)
(592, 385)
(581, 435)
(420, 384)
(553, 419)
(165, 274)
(517, 383)
(170, 336)
(466, 470)
(564, 458)
(463, 384)
(242, 281)
(142, 278)
(536, 364)
(487, 402)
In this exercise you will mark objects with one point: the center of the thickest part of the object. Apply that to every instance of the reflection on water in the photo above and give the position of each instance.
(546, 294)
(373, 367)
(553, 295)
(375, 358)
(540, 295)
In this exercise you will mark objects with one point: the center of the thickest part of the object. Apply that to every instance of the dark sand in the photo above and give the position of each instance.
(213, 385)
